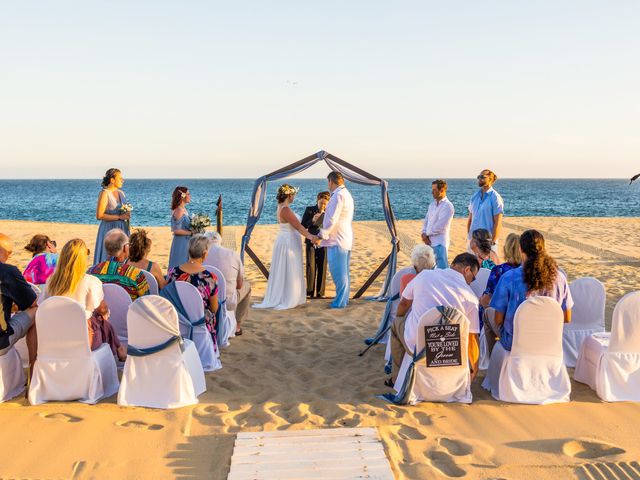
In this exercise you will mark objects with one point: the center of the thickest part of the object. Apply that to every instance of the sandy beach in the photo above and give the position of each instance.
(299, 369)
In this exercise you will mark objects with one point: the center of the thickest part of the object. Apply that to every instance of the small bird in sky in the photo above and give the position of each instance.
(634, 178)
(292, 83)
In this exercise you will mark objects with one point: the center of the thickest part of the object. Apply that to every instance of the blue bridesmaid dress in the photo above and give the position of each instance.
(114, 202)
(180, 245)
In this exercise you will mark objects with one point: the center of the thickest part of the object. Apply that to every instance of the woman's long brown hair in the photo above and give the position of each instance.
(540, 270)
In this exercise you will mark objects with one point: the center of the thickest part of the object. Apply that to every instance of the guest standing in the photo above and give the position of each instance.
(71, 280)
(180, 226)
(437, 224)
(486, 208)
(109, 211)
(538, 275)
(44, 261)
(316, 257)
(139, 248)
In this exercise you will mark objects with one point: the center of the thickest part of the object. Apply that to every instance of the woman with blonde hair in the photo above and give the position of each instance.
(71, 280)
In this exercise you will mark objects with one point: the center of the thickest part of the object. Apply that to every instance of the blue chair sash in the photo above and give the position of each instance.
(143, 352)
(170, 292)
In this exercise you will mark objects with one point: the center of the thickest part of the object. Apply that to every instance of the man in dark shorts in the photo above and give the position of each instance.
(14, 290)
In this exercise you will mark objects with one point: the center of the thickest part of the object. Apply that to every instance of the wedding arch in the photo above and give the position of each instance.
(349, 172)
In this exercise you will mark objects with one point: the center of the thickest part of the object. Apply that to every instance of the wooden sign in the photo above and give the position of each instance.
(443, 345)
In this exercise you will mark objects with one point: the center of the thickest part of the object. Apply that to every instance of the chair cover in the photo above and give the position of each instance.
(416, 382)
(610, 363)
(200, 335)
(226, 324)
(169, 378)
(66, 368)
(118, 301)
(587, 316)
(533, 372)
(12, 379)
(479, 285)
(151, 281)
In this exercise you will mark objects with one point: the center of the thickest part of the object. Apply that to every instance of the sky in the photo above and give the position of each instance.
(423, 89)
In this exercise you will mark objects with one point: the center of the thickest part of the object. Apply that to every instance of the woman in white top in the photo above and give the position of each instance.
(70, 280)
(287, 287)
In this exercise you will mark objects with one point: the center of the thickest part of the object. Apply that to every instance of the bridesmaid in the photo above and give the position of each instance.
(180, 226)
(108, 211)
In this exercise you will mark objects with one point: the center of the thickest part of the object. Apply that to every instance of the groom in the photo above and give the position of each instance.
(337, 235)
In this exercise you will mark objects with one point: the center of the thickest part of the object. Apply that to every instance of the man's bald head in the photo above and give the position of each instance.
(6, 247)
(114, 242)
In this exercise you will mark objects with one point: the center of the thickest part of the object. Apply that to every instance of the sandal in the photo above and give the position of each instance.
(238, 332)
(389, 382)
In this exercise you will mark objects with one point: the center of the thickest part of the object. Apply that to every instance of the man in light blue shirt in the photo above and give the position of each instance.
(486, 208)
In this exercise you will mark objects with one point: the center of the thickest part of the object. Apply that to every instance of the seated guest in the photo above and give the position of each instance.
(15, 292)
(43, 263)
(422, 258)
(71, 280)
(194, 273)
(430, 289)
(238, 290)
(538, 275)
(139, 248)
(116, 270)
(480, 245)
(513, 259)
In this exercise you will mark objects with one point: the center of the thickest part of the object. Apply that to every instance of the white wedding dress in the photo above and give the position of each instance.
(286, 287)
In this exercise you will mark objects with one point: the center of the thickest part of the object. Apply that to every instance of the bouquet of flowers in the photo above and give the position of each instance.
(200, 221)
(126, 208)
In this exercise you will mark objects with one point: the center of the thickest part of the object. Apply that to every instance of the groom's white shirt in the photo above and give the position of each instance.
(336, 228)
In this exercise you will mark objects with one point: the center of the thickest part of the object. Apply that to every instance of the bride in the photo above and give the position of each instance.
(287, 287)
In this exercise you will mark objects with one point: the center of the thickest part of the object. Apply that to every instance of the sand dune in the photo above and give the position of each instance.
(299, 369)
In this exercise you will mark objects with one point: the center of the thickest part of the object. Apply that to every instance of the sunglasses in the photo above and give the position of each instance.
(54, 243)
(481, 177)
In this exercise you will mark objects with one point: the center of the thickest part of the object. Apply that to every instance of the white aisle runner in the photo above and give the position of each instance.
(328, 454)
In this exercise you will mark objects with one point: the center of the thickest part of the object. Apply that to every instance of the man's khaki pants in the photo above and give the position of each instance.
(398, 345)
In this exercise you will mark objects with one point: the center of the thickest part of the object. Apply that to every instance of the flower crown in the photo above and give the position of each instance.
(287, 189)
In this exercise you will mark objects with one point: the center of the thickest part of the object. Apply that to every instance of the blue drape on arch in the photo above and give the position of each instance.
(349, 172)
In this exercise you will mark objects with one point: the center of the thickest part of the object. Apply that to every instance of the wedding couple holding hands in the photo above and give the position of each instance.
(287, 287)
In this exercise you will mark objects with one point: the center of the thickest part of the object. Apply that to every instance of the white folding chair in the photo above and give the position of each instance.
(118, 301)
(436, 384)
(533, 371)
(66, 368)
(587, 316)
(151, 281)
(12, 379)
(227, 316)
(160, 370)
(610, 362)
(199, 334)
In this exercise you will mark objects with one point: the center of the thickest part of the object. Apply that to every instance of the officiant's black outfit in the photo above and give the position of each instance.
(316, 257)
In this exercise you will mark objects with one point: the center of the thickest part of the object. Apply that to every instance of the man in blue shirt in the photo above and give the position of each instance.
(486, 208)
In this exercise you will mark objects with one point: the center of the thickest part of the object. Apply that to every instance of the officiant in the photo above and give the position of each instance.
(316, 256)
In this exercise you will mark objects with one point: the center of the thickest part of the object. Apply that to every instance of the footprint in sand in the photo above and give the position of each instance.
(445, 464)
(425, 418)
(139, 424)
(61, 416)
(457, 448)
(410, 433)
(589, 449)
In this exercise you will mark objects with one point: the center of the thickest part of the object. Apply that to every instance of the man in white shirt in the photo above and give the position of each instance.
(238, 290)
(437, 223)
(434, 288)
(337, 235)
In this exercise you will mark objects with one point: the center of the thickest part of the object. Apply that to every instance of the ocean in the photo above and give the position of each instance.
(73, 201)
